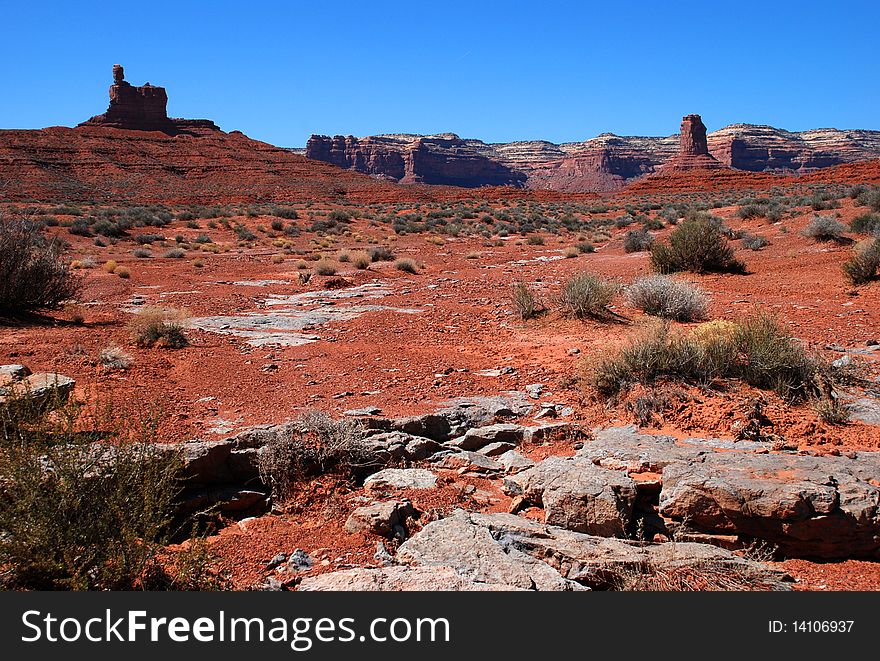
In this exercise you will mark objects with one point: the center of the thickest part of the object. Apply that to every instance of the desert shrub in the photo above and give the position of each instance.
(114, 358)
(833, 411)
(146, 239)
(277, 259)
(525, 301)
(586, 247)
(77, 515)
(585, 295)
(33, 272)
(142, 253)
(123, 272)
(406, 265)
(866, 223)
(569, 253)
(314, 444)
(159, 327)
(381, 254)
(110, 266)
(663, 296)
(360, 260)
(535, 240)
(755, 351)
(638, 240)
(288, 213)
(825, 228)
(325, 267)
(343, 256)
(244, 234)
(698, 245)
(175, 253)
(277, 225)
(863, 265)
(750, 211)
(754, 241)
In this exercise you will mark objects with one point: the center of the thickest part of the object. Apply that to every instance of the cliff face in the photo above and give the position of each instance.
(437, 159)
(144, 109)
(604, 163)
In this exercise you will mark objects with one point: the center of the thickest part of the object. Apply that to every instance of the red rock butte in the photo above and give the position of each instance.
(693, 151)
(143, 109)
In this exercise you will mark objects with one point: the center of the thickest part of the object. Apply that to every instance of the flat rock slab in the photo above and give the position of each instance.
(401, 478)
(824, 507)
(577, 495)
(511, 550)
(397, 579)
(40, 389)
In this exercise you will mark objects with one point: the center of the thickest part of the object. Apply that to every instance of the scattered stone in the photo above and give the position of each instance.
(400, 478)
(276, 561)
(513, 462)
(382, 556)
(471, 462)
(369, 410)
(534, 390)
(382, 518)
(474, 439)
(496, 449)
(299, 561)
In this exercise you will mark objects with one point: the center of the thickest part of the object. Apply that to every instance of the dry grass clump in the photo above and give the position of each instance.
(406, 265)
(123, 272)
(159, 327)
(525, 301)
(669, 298)
(324, 267)
(755, 351)
(587, 296)
(315, 444)
(862, 267)
(361, 260)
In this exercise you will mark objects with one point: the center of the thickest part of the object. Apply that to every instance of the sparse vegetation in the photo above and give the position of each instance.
(755, 351)
(33, 272)
(406, 265)
(114, 358)
(159, 327)
(587, 296)
(525, 301)
(862, 267)
(316, 444)
(697, 245)
(638, 240)
(79, 514)
(669, 298)
(325, 267)
(825, 228)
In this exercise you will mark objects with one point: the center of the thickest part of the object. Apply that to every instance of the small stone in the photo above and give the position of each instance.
(299, 560)
(275, 561)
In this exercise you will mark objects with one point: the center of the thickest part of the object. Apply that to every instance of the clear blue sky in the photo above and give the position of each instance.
(500, 71)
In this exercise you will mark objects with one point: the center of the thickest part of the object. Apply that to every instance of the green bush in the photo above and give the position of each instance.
(697, 245)
(88, 500)
(33, 272)
(866, 223)
(638, 240)
(825, 228)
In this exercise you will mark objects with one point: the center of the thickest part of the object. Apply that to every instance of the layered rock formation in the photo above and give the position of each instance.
(604, 163)
(143, 109)
(436, 159)
(693, 152)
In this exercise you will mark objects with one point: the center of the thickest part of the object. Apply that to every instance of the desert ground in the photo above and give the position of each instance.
(396, 318)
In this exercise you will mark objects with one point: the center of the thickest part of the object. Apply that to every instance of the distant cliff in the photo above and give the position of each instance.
(606, 162)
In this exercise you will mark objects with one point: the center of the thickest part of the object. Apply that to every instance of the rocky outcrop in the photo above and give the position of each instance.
(693, 151)
(604, 163)
(442, 159)
(504, 551)
(143, 109)
(820, 507)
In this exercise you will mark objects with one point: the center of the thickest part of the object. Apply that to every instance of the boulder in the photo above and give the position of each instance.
(474, 554)
(385, 519)
(472, 462)
(39, 390)
(400, 478)
(577, 495)
(474, 439)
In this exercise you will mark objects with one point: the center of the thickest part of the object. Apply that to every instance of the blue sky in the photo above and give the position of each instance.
(499, 71)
